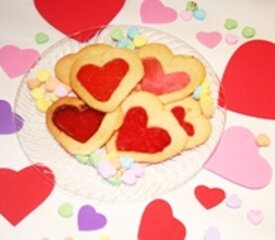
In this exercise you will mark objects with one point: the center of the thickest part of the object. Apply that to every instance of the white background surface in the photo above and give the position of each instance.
(20, 21)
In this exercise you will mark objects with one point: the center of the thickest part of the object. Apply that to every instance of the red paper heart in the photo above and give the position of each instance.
(248, 81)
(101, 82)
(209, 197)
(157, 82)
(158, 222)
(72, 16)
(79, 123)
(179, 113)
(21, 192)
(134, 135)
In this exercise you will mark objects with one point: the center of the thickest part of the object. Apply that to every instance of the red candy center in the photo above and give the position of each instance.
(158, 82)
(79, 123)
(134, 135)
(179, 113)
(101, 82)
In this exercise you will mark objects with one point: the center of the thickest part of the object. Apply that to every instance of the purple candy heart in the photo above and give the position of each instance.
(9, 121)
(89, 219)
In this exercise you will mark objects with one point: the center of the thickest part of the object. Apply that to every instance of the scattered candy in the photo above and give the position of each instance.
(94, 159)
(263, 140)
(140, 41)
(255, 216)
(53, 97)
(43, 75)
(191, 6)
(231, 39)
(106, 169)
(41, 38)
(72, 94)
(122, 43)
(230, 23)
(199, 14)
(249, 32)
(138, 169)
(117, 34)
(126, 162)
(51, 84)
(37, 93)
(66, 210)
(104, 238)
(115, 180)
(212, 233)
(133, 32)
(186, 15)
(68, 238)
(61, 90)
(233, 201)
(42, 105)
(129, 177)
(197, 93)
(207, 106)
(130, 45)
(82, 159)
(33, 83)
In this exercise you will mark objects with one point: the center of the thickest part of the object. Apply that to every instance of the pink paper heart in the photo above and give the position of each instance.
(15, 61)
(237, 159)
(154, 11)
(209, 39)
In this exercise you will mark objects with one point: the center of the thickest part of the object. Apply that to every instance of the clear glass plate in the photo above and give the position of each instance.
(83, 180)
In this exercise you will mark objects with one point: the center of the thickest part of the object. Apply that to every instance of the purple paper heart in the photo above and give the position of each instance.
(89, 219)
(15, 61)
(9, 121)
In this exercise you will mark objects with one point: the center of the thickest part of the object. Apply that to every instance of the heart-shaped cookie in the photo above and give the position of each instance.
(148, 132)
(190, 117)
(104, 81)
(64, 64)
(171, 77)
(79, 128)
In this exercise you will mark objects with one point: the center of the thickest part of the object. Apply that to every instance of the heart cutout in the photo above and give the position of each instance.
(209, 197)
(248, 80)
(158, 222)
(154, 11)
(179, 113)
(23, 191)
(16, 61)
(101, 82)
(158, 82)
(78, 128)
(209, 39)
(72, 16)
(89, 219)
(237, 159)
(80, 123)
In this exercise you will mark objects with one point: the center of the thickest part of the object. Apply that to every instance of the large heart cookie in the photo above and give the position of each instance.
(189, 116)
(104, 81)
(64, 64)
(79, 128)
(171, 77)
(148, 132)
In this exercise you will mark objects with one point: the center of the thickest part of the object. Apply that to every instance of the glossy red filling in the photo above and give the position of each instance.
(79, 123)
(134, 135)
(101, 82)
(158, 82)
(179, 113)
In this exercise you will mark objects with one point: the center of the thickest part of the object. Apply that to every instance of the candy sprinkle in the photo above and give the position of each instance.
(249, 32)
(41, 38)
(66, 210)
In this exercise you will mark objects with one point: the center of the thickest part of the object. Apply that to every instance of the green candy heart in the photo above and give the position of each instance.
(230, 23)
(66, 210)
(249, 32)
(117, 34)
(84, 159)
(41, 38)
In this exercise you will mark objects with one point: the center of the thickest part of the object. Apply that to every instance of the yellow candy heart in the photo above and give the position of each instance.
(42, 75)
(37, 93)
(43, 104)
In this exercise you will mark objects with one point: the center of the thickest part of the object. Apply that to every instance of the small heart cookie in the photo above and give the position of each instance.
(79, 128)
(64, 64)
(148, 133)
(104, 81)
(171, 77)
(189, 115)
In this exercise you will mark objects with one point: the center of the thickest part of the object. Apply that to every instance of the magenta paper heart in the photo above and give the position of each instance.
(237, 159)
(9, 122)
(15, 61)
(154, 11)
(89, 219)
(209, 39)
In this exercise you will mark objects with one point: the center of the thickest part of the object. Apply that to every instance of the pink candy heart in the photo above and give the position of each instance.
(106, 169)
(237, 159)
(186, 15)
(154, 11)
(255, 217)
(15, 61)
(231, 39)
(209, 39)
